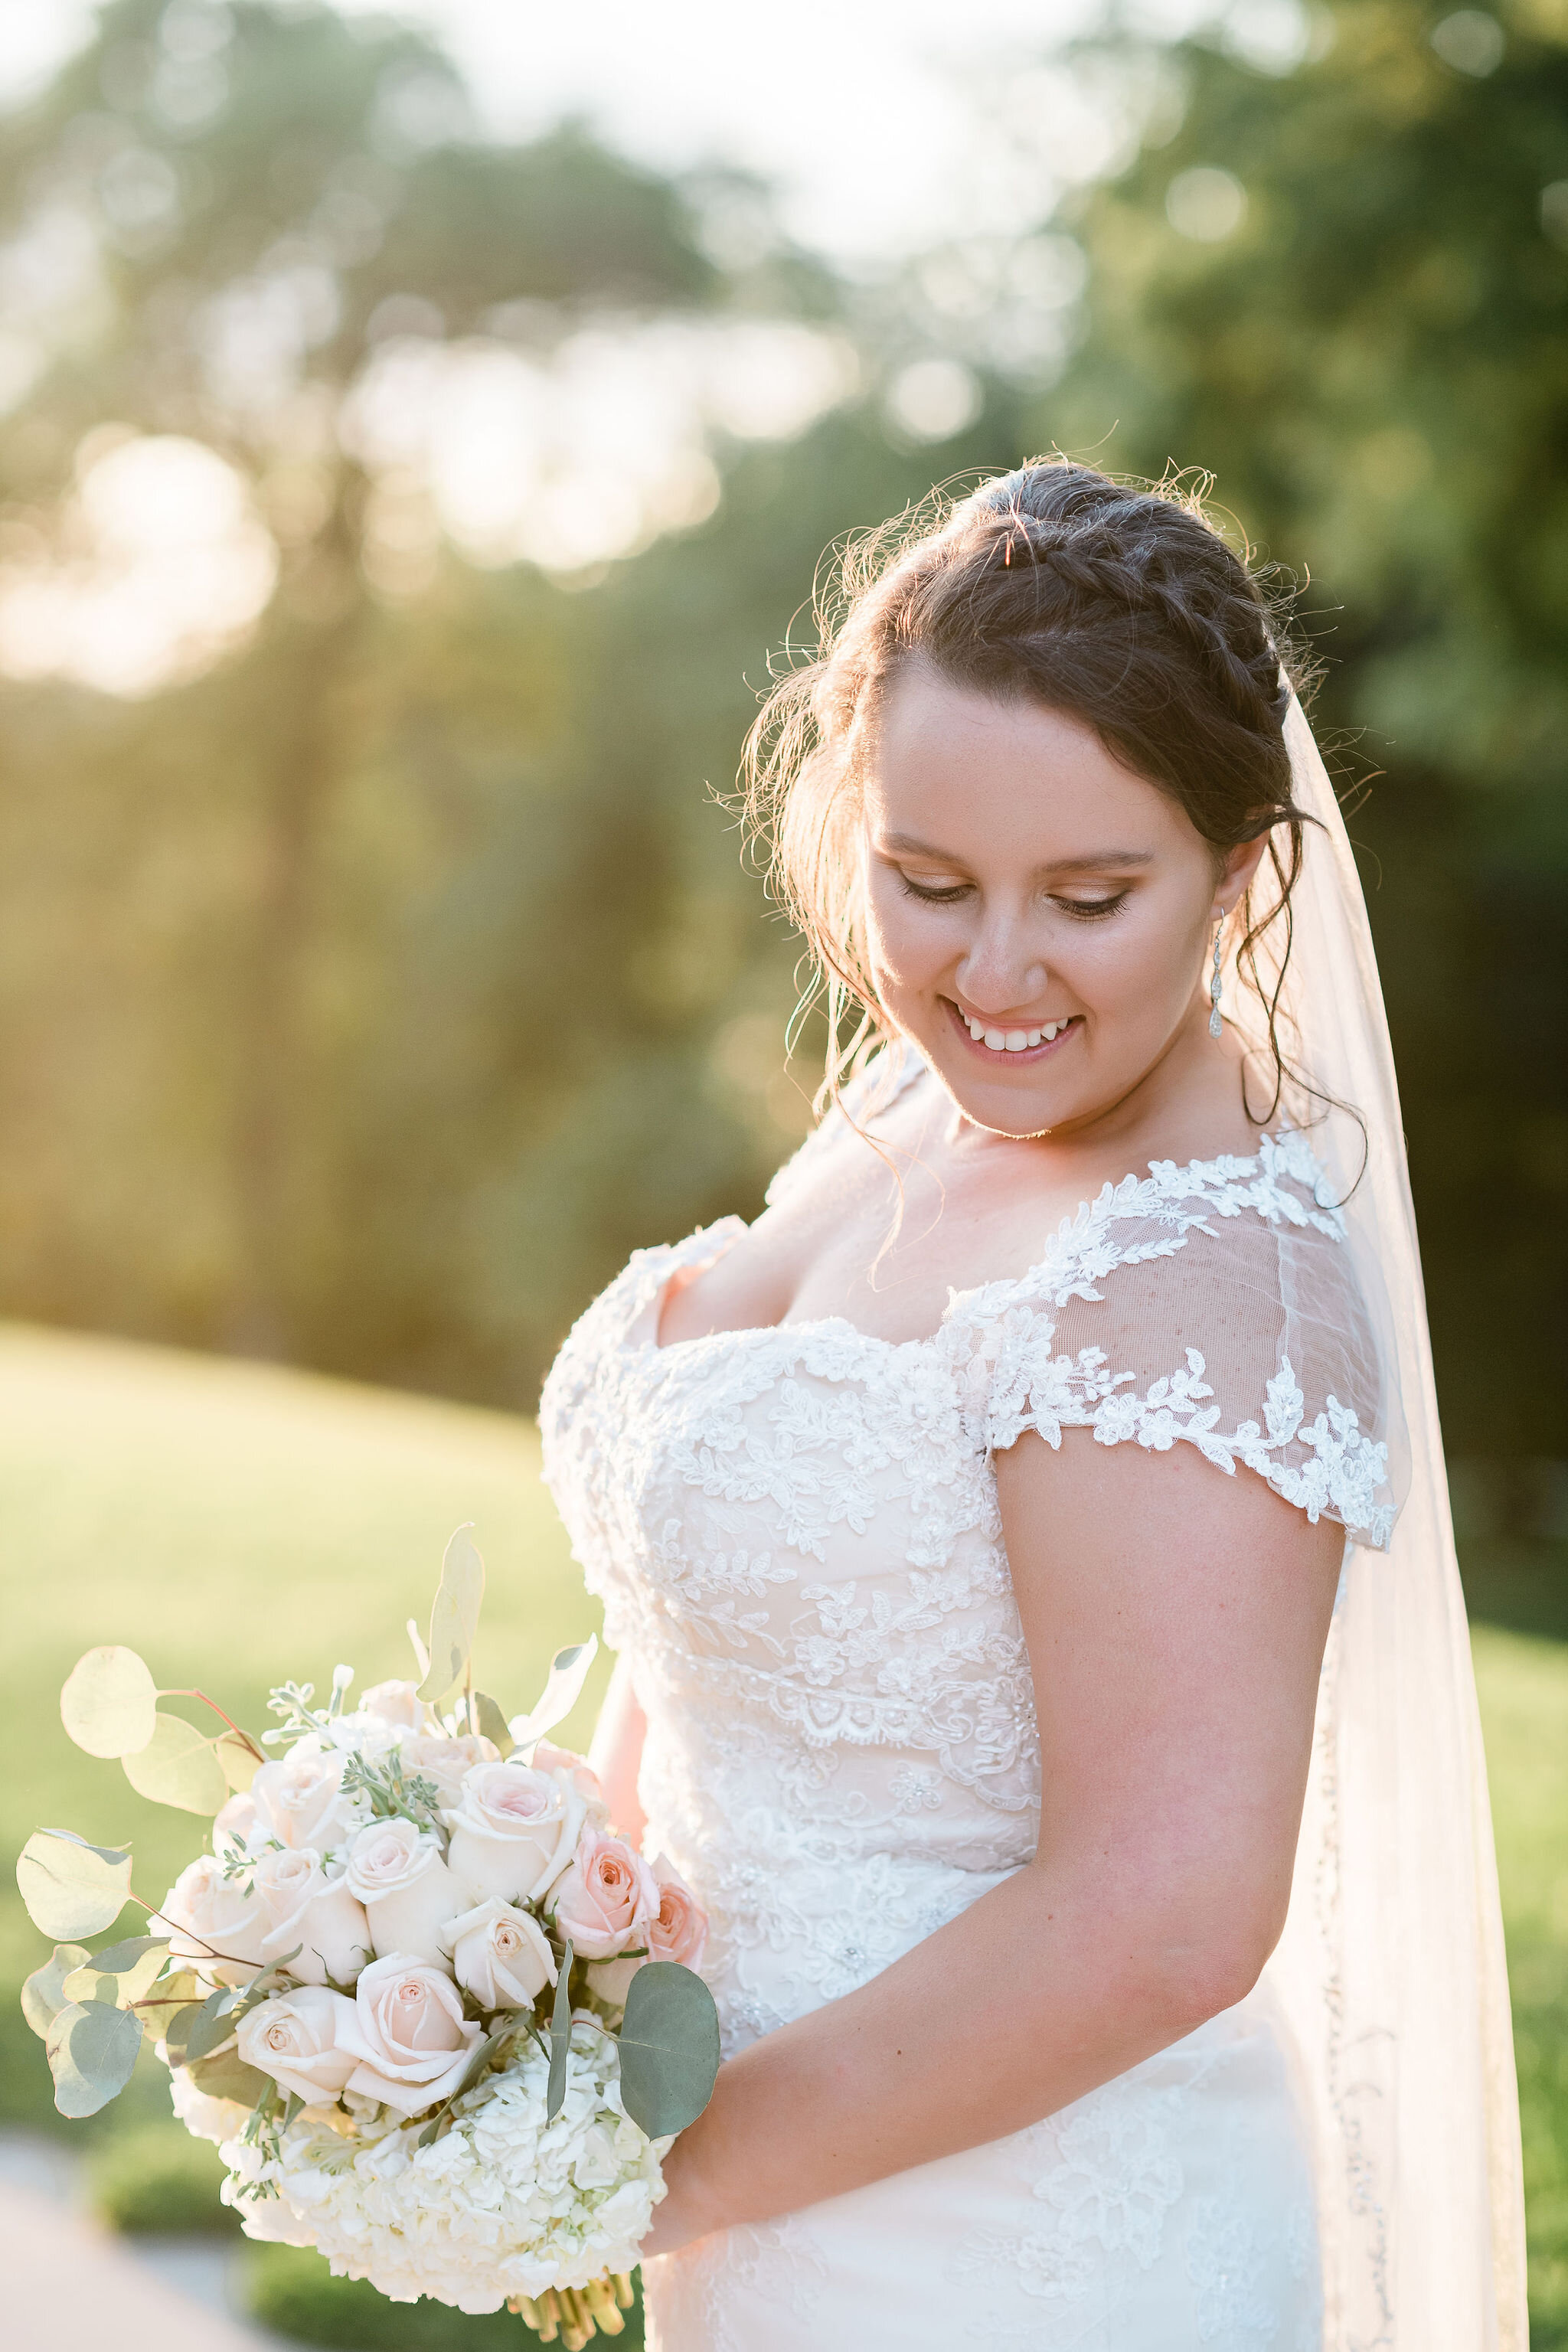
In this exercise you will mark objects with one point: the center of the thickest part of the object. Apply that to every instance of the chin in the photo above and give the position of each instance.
(1001, 1105)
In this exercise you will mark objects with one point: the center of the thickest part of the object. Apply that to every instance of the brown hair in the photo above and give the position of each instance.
(1118, 602)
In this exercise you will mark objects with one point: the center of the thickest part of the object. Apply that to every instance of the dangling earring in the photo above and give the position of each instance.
(1216, 1026)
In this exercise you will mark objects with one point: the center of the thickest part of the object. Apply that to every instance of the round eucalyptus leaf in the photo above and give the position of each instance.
(91, 2049)
(122, 1988)
(44, 1994)
(236, 1759)
(225, 2075)
(71, 1889)
(109, 1702)
(670, 2048)
(178, 1767)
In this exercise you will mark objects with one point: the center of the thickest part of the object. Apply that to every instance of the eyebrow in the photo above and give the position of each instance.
(1096, 862)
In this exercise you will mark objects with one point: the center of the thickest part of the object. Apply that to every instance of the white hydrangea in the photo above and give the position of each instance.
(503, 2204)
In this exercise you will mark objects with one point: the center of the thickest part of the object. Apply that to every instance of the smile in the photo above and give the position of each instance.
(1002, 1042)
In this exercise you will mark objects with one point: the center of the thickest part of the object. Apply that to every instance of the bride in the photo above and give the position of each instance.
(1026, 1545)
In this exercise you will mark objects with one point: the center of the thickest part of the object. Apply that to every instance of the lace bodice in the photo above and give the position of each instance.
(794, 1533)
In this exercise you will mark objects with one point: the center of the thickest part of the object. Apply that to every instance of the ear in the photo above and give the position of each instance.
(1234, 877)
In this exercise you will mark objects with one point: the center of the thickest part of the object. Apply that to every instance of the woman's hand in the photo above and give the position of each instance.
(687, 2211)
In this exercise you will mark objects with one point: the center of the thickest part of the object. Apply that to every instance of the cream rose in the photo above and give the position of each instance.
(207, 1913)
(514, 1832)
(447, 1762)
(301, 1802)
(607, 1899)
(307, 1908)
(395, 1870)
(298, 2038)
(500, 1954)
(395, 1703)
(408, 2036)
(679, 1928)
(235, 1823)
(580, 1774)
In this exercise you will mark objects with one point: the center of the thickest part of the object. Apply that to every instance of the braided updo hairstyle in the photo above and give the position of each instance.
(1120, 604)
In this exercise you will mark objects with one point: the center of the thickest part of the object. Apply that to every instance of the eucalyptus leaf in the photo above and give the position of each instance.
(109, 1702)
(560, 2039)
(178, 1767)
(116, 1959)
(237, 1761)
(225, 2075)
(121, 1987)
(91, 2048)
(176, 2031)
(454, 1618)
(568, 1673)
(212, 2024)
(71, 1889)
(44, 1994)
(492, 1723)
(668, 2046)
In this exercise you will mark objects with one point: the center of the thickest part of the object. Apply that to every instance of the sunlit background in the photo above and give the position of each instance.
(417, 430)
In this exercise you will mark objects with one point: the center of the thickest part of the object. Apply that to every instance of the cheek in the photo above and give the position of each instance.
(906, 942)
(1139, 964)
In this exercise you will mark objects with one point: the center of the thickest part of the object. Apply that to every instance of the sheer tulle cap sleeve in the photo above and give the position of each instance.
(1213, 1305)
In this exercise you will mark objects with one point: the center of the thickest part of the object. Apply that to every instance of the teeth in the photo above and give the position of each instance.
(1012, 1040)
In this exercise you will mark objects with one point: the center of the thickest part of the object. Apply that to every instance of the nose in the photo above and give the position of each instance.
(1003, 970)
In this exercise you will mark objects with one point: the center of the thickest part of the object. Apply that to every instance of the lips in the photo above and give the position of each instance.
(1013, 1042)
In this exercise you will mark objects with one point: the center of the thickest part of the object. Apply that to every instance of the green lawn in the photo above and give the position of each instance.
(239, 1525)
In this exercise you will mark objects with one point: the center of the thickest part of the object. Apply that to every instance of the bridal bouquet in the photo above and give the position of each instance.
(440, 2021)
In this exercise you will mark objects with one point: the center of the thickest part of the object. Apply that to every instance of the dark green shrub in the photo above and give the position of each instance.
(290, 2290)
(155, 2180)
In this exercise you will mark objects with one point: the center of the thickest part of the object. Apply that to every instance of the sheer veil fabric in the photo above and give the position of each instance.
(1391, 1968)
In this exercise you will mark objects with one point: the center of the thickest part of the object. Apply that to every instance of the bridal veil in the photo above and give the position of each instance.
(1391, 1968)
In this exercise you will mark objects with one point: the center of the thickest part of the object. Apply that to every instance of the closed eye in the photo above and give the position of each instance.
(941, 895)
(1093, 910)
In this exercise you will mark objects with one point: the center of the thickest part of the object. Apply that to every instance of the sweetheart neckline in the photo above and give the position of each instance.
(1160, 1175)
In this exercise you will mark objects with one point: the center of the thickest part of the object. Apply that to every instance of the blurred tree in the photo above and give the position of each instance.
(1343, 287)
(253, 198)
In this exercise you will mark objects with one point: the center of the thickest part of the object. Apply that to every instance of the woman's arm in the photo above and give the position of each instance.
(615, 1751)
(1175, 1621)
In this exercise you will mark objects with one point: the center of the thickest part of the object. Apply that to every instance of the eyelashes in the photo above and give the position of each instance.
(1082, 910)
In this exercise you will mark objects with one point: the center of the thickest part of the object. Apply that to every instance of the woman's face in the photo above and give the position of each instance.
(1038, 918)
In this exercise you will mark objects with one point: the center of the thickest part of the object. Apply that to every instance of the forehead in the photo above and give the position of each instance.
(964, 770)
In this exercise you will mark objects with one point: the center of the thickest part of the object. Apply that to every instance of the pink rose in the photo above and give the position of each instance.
(318, 1915)
(297, 2038)
(607, 1899)
(301, 1802)
(395, 1703)
(678, 1929)
(408, 2036)
(395, 1870)
(580, 1773)
(500, 1954)
(207, 1913)
(514, 1832)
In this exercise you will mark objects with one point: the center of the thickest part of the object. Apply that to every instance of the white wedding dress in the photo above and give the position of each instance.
(794, 1533)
